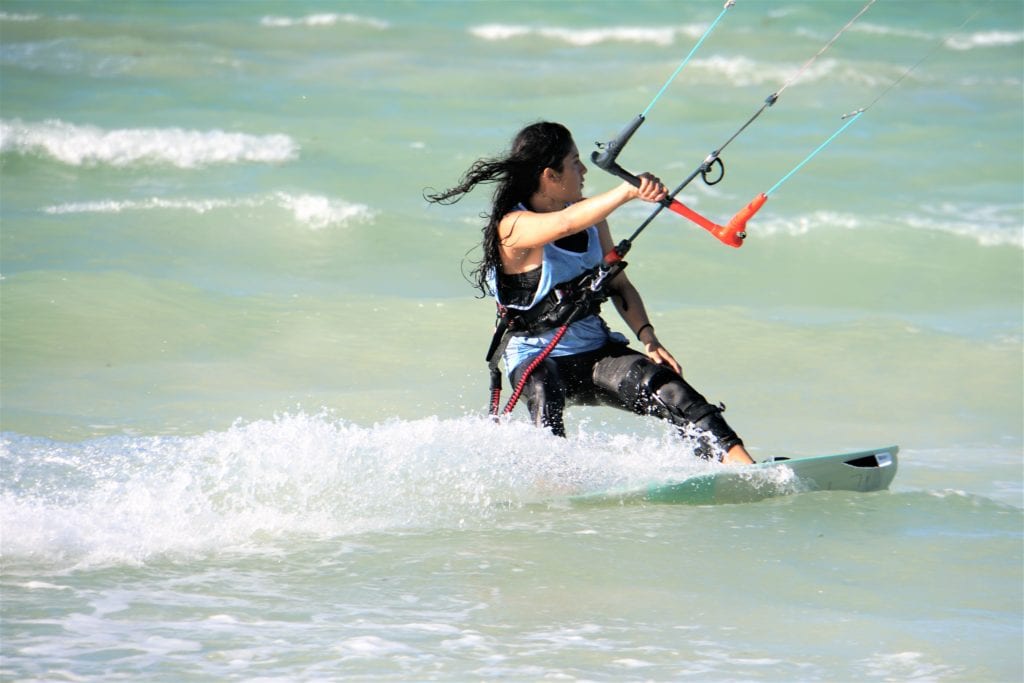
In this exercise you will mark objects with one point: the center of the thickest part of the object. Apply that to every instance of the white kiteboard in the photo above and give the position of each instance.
(862, 471)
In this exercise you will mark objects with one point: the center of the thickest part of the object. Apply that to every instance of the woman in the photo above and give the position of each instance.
(543, 233)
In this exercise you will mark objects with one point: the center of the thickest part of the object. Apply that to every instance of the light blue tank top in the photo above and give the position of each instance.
(558, 266)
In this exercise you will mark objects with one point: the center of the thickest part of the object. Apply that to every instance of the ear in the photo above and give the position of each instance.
(550, 175)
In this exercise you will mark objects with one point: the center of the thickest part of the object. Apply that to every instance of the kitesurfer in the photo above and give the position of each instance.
(540, 238)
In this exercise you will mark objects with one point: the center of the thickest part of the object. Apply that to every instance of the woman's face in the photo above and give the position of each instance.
(570, 180)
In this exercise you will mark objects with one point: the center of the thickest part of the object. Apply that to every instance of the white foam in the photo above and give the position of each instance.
(987, 225)
(16, 17)
(118, 206)
(498, 32)
(775, 479)
(595, 36)
(221, 619)
(65, 56)
(630, 663)
(314, 211)
(907, 666)
(740, 71)
(961, 42)
(879, 29)
(743, 72)
(804, 224)
(131, 500)
(317, 211)
(86, 145)
(20, 17)
(371, 646)
(162, 646)
(990, 225)
(985, 39)
(585, 37)
(42, 585)
(323, 19)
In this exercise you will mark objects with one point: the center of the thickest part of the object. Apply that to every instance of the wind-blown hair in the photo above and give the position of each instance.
(517, 175)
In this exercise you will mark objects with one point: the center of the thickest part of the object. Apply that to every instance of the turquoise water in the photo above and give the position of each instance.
(241, 373)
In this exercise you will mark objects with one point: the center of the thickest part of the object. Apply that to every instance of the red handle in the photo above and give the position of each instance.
(737, 227)
(731, 234)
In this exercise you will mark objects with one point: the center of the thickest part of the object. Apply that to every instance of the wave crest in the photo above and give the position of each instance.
(323, 19)
(985, 39)
(85, 145)
(989, 225)
(584, 37)
(314, 211)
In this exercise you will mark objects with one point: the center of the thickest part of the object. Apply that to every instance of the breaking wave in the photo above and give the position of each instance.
(314, 211)
(323, 19)
(85, 145)
(583, 37)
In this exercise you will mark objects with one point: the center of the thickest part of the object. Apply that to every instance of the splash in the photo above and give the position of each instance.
(131, 500)
(317, 211)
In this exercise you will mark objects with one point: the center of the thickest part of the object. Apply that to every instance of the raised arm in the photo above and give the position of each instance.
(530, 229)
(523, 233)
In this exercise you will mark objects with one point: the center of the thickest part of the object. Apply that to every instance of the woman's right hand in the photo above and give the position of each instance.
(651, 189)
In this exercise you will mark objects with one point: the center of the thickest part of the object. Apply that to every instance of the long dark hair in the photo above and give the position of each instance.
(517, 174)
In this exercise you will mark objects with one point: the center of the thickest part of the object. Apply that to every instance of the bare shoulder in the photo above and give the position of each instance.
(508, 223)
(526, 229)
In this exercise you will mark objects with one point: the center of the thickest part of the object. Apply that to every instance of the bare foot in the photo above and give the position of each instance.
(737, 455)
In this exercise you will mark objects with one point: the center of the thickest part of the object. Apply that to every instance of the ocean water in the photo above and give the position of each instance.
(241, 372)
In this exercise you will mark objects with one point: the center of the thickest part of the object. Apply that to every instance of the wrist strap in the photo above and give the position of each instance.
(642, 328)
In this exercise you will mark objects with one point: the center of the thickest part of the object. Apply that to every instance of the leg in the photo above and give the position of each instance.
(636, 383)
(544, 394)
(680, 403)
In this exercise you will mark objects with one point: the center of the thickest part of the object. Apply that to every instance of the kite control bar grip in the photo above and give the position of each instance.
(617, 170)
(671, 204)
(733, 233)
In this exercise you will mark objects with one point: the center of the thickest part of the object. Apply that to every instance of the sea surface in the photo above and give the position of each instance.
(244, 432)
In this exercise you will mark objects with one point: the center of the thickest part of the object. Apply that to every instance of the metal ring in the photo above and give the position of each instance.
(721, 172)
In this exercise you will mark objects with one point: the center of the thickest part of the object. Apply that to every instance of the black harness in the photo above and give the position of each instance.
(565, 304)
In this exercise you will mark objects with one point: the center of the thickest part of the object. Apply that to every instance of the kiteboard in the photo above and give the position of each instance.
(862, 471)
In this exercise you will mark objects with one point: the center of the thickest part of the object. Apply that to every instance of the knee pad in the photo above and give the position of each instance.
(634, 379)
(686, 408)
(647, 388)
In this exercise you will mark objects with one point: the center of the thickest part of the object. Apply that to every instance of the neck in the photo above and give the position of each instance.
(542, 203)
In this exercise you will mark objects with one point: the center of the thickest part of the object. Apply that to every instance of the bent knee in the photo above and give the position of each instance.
(633, 380)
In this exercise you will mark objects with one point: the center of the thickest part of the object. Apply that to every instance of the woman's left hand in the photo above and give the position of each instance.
(660, 355)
